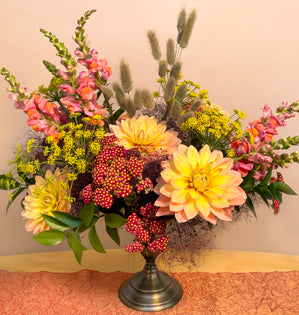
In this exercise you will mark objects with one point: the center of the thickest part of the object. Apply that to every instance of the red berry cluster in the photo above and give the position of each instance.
(159, 244)
(135, 247)
(113, 171)
(86, 194)
(145, 185)
(279, 178)
(146, 228)
(276, 206)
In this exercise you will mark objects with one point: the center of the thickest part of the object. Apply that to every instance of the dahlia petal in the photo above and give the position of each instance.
(239, 198)
(219, 202)
(167, 174)
(179, 182)
(189, 209)
(228, 179)
(180, 196)
(176, 206)
(204, 156)
(193, 156)
(160, 183)
(203, 205)
(166, 190)
(224, 164)
(194, 194)
(223, 214)
(163, 211)
(215, 157)
(181, 217)
(181, 163)
(162, 201)
(210, 218)
(182, 148)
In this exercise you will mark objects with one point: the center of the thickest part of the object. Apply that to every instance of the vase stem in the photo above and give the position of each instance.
(150, 289)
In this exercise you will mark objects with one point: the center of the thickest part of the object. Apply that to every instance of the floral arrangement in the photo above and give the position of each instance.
(156, 157)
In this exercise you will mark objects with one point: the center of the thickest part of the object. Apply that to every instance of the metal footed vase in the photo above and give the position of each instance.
(150, 290)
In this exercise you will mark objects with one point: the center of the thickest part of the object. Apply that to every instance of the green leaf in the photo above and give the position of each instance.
(7, 182)
(67, 218)
(49, 238)
(22, 204)
(113, 233)
(118, 113)
(54, 223)
(248, 183)
(283, 187)
(250, 205)
(237, 208)
(76, 246)
(13, 196)
(266, 179)
(263, 194)
(95, 241)
(86, 214)
(114, 220)
(278, 196)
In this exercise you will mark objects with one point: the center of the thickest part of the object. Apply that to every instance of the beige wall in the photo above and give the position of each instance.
(246, 53)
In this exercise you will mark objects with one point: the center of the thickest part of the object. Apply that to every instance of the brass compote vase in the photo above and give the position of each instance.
(150, 290)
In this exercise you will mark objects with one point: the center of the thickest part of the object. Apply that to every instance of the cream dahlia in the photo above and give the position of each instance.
(146, 135)
(198, 183)
(47, 195)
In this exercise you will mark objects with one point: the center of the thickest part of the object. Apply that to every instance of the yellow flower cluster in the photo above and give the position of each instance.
(212, 121)
(76, 147)
(211, 126)
(28, 167)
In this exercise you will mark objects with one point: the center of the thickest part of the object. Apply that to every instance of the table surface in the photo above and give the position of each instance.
(118, 260)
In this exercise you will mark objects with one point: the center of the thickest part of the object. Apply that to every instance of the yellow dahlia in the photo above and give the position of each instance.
(146, 135)
(48, 194)
(198, 183)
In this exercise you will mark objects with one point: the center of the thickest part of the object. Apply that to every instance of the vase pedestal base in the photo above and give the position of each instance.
(150, 290)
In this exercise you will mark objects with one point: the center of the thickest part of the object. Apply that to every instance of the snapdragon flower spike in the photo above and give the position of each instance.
(159, 244)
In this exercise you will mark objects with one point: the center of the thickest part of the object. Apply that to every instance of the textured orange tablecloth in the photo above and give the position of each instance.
(92, 292)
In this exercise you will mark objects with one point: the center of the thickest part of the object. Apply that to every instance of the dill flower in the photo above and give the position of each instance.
(47, 195)
(30, 145)
(211, 126)
(198, 183)
(146, 135)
